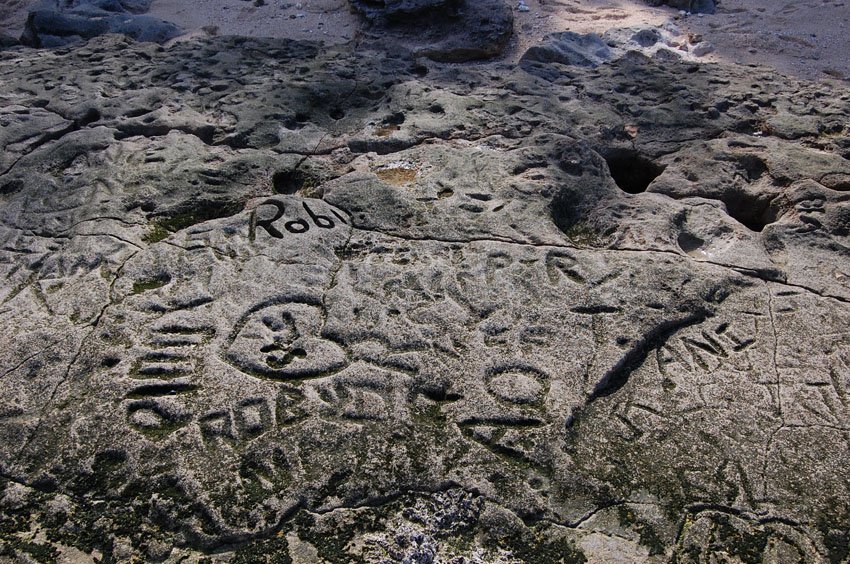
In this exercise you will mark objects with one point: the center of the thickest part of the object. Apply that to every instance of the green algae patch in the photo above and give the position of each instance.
(153, 284)
(163, 226)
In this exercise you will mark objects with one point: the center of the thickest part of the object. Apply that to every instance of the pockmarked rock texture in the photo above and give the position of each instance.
(270, 299)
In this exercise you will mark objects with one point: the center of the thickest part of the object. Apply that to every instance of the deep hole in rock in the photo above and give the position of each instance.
(293, 123)
(138, 112)
(632, 172)
(394, 119)
(336, 113)
(751, 212)
(292, 180)
(566, 211)
(110, 362)
(288, 181)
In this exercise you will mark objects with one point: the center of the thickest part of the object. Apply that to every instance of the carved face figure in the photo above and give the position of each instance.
(283, 342)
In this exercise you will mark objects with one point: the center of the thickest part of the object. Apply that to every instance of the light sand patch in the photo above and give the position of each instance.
(398, 173)
(330, 21)
(808, 39)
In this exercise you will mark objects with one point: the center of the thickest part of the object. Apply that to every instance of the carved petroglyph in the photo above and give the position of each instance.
(177, 299)
(254, 416)
(282, 341)
(720, 344)
(217, 425)
(562, 264)
(289, 408)
(171, 352)
(363, 393)
(819, 397)
(519, 385)
(510, 419)
(165, 370)
(243, 421)
(157, 418)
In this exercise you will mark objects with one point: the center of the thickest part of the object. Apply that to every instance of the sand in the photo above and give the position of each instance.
(330, 21)
(808, 39)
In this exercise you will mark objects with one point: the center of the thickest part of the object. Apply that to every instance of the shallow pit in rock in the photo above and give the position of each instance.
(397, 175)
(692, 246)
(192, 213)
(753, 166)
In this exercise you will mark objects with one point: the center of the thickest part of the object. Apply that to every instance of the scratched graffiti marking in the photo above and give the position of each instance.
(271, 222)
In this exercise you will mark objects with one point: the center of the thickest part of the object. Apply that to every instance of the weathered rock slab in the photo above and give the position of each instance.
(269, 298)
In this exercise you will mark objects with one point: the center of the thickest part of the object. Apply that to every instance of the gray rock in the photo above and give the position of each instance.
(7, 41)
(570, 48)
(702, 48)
(591, 50)
(441, 30)
(402, 9)
(693, 6)
(647, 37)
(273, 299)
(83, 20)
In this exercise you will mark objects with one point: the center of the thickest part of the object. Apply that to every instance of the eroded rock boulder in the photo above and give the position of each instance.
(693, 6)
(442, 30)
(64, 23)
(269, 298)
(570, 48)
(7, 41)
(402, 9)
